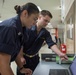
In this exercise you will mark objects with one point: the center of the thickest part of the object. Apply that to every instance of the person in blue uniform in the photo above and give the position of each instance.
(36, 36)
(11, 37)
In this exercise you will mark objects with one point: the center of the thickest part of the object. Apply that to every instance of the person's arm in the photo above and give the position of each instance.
(58, 52)
(5, 68)
(20, 64)
(52, 45)
(18, 58)
(23, 61)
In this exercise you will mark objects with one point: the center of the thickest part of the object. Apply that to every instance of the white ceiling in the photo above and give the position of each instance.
(7, 9)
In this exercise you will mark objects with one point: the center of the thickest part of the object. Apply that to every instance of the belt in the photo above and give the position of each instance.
(30, 56)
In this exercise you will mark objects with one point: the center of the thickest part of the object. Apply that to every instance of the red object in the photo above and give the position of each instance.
(63, 48)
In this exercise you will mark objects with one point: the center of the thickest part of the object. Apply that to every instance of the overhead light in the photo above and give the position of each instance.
(39, 8)
(0, 21)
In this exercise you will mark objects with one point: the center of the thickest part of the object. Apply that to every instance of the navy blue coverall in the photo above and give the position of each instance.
(11, 36)
(33, 44)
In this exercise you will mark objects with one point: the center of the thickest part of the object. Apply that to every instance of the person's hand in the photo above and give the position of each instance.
(26, 71)
(23, 60)
(63, 56)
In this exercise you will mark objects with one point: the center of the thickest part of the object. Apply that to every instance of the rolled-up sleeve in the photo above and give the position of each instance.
(49, 40)
(7, 40)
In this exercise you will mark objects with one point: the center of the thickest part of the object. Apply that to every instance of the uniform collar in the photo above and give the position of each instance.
(19, 25)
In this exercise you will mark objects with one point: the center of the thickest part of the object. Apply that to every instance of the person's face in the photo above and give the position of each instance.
(29, 20)
(43, 20)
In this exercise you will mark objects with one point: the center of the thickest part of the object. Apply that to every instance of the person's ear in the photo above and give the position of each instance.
(25, 13)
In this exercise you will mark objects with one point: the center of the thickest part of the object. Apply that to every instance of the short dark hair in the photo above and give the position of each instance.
(30, 7)
(46, 12)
